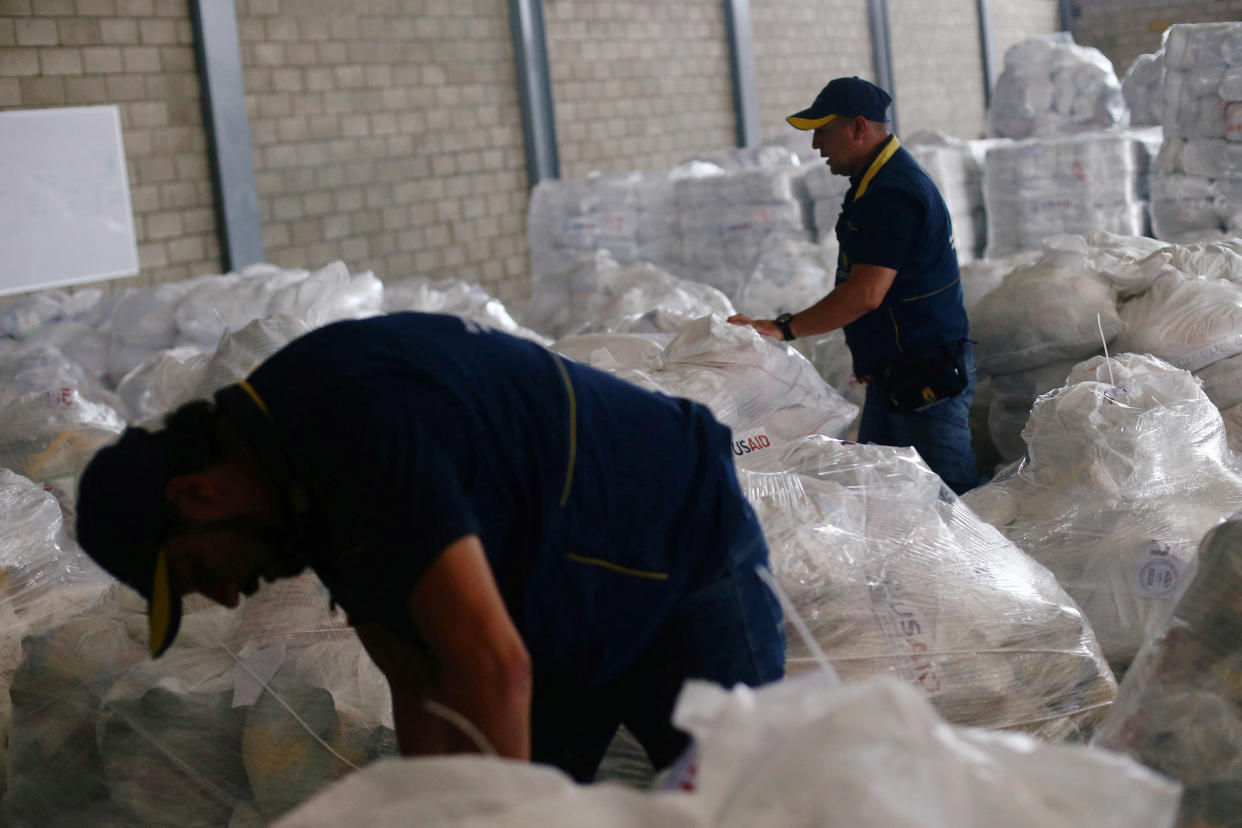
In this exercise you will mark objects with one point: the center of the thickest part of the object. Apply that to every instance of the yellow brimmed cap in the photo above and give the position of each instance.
(843, 96)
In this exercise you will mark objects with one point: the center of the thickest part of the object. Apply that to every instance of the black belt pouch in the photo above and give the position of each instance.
(915, 383)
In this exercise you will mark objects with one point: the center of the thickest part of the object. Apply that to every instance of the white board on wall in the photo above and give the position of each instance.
(65, 214)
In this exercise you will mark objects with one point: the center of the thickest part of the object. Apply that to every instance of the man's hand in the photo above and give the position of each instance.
(764, 326)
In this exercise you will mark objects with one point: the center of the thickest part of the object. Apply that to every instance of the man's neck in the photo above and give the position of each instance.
(874, 154)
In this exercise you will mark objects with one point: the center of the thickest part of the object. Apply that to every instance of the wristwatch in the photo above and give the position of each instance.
(782, 322)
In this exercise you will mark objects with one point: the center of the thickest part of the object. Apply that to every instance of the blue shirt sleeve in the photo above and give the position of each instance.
(889, 225)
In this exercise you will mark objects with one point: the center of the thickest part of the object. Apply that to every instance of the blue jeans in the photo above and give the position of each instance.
(940, 432)
(730, 629)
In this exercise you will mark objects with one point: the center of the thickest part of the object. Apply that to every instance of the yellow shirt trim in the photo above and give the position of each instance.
(879, 161)
(624, 570)
(573, 431)
(254, 395)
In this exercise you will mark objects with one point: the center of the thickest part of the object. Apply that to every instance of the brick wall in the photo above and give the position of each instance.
(139, 55)
(1016, 20)
(640, 84)
(387, 133)
(1125, 29)
(800, 45)
(937, 66)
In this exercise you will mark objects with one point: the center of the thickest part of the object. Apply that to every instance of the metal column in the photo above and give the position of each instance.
(987, 45)
(881, 53)
(1066, 9)
(218, 50)
(530, 52)
(742, 70)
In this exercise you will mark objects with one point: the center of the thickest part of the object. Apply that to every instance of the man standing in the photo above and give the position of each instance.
(542, 548)
(898, 290)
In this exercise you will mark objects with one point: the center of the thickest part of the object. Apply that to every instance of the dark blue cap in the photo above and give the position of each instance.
(847, 97)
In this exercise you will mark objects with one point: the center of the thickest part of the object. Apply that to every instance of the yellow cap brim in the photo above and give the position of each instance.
(808, 123)
(163, 610)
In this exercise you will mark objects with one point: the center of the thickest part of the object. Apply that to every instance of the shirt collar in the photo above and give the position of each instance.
(877, 160)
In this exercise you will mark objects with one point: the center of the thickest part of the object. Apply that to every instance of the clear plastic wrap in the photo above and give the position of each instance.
(1192, 197)
(1127, 463)
(631, 215)
(1190, 323)
(766, 391)
(329, 294)
(894, 575)
(249, 713)
(959, 178)
(162, 382)
(141, 324)
(598, 295)
(44, 579)
(795, 753)
(1050, 85)
(790, 276)
(1040, 187)
(52, 415)
(1047, 311)
(1142, 87)
(1179, 709)
(455, 297)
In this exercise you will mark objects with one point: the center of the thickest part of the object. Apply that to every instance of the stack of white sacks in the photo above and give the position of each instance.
(1052, 86)
(1143, 88)
(1197, 192)
(953, 165)
(631, 215)
(1064, 184)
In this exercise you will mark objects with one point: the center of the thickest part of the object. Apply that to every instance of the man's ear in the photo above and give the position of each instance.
(199, 496)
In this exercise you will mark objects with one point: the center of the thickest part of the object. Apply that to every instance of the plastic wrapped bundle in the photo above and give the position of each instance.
(764, 390)
(24, 317)
(1195, 194)
(826, 192)
(790, 276)
(959, 178)
(728, 212)
(162, 382)
(241, 351)
(216, 305)
(629, 215)
(1190, 323)
(1222, 382)
(1179, 709)
(1068, 184)
(56, 693)
(893, 575)
(1127, 464)
(458, 298)
(760, 760)
(328, 295)
(982, 276)
(1051, 86)
(141, 324)
(1044, 312)
(44, 579)
(599, 296)
(1142, 87)
(249, 713)
(53, 416)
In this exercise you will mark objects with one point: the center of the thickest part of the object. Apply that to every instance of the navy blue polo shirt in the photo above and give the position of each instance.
(598, 503)
(893, 216)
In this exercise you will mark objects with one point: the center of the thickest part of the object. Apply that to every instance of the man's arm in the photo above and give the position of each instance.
(410, 675)
(483, 671)
(860, 294)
